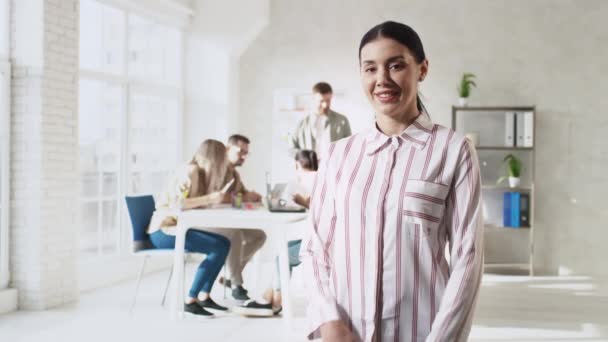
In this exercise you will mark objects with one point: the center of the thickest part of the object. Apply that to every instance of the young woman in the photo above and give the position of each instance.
(385, 204)
(297, 191)
(300, 188)
(200, 184)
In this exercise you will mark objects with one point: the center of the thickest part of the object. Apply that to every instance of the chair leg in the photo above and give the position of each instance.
(185, 263)
(141, 272)
(224, 285)
(162, 303)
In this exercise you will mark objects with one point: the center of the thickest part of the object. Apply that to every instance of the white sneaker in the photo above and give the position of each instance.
(254, 309)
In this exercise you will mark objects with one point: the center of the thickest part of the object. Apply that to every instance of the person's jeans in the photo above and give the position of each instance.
(215, 247)
(244, 244)
(293, 247)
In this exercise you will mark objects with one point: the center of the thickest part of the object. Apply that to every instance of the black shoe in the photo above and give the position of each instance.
(211, 305)
(228, 283)
(239, 293)
(253, 308)
(196, 309)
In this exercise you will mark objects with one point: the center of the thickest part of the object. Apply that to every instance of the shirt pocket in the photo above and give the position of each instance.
(424, 203)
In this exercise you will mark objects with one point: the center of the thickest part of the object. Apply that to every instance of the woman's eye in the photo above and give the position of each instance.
(395, 67)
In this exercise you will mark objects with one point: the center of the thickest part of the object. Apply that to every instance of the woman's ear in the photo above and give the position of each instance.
(424, 69)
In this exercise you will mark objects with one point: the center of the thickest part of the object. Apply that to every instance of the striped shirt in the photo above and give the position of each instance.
(383, 210)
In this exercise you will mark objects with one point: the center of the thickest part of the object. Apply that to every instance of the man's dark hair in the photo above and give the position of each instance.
(322, 88)
(236, 138)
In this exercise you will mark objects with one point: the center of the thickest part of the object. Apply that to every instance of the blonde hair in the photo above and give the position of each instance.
(212, 163)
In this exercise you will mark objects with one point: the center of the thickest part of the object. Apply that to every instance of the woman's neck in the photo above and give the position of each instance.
(395, 126)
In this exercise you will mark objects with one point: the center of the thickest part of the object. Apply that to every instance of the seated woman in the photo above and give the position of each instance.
(298, 191)
(200, 184)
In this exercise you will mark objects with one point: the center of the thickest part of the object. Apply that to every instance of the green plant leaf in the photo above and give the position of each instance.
(514, 165)
(466, 82)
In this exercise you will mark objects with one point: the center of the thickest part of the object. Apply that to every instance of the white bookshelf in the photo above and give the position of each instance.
(507, 247)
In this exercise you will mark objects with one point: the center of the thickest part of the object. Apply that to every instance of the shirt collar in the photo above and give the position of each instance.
(417, 134)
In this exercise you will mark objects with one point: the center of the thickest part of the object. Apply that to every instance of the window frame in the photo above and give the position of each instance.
(128, 85)
(5, 79)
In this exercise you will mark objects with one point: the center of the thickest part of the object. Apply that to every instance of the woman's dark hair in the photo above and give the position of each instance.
(307, 159)
(403, 34)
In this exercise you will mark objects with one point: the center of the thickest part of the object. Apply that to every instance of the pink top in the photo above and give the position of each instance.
(383, 210)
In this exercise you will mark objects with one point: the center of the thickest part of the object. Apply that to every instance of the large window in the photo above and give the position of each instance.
(5, 84)
(130, 114)
(4, 169)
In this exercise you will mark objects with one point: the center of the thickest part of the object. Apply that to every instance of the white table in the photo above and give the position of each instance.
(275, 223)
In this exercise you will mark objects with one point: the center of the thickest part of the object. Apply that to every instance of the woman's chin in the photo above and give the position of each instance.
(391, 111)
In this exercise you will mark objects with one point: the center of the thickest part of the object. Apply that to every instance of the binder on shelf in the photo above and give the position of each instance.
(511, 209)
(524, 129)
(524, 210)
(506, 209)
(509, 129)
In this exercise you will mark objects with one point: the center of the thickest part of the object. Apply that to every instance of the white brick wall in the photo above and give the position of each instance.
(44, 152)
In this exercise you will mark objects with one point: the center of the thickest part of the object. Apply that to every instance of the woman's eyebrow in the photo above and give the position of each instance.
(390, 59)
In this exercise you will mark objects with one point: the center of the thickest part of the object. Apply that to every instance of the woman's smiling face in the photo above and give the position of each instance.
(390, 76)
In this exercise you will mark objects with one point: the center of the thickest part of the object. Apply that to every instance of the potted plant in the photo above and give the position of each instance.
(464, 88)
(514, 167)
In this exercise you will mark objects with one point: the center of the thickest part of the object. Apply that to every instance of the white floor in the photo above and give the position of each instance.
(511, 308)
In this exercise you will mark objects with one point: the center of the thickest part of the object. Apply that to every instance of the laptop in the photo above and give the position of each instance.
(276, 204)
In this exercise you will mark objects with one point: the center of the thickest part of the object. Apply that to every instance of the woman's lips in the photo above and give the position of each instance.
(388, 96)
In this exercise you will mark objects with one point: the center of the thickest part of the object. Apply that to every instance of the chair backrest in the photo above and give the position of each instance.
(140, 210)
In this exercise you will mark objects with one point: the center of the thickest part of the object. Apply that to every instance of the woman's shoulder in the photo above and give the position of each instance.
(448, 135)
(454, 143)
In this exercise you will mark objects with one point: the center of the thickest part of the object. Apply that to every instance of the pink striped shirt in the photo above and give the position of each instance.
(383, 210)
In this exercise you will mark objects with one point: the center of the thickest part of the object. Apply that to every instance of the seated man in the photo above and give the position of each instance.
(244, 242)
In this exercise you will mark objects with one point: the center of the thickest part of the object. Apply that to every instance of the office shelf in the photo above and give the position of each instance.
(487, 124)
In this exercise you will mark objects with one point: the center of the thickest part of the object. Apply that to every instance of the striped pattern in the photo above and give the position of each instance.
(383, 210)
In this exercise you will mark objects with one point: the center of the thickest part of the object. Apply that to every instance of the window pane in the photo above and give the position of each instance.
(148, 182)
(102, 37)
(88, 232)
(173, 58)
(89, 183)
(100, 112)
(146, 40)
(110, 229)
(5, 86)
(153, 139)
(155, 52)
(110, 184)
(100, 107)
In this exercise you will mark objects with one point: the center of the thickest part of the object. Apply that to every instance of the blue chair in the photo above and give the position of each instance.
(140, 210)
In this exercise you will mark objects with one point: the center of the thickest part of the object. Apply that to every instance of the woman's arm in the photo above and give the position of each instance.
(465, 226)
(206, 200)
(323, 313)
(302, 200)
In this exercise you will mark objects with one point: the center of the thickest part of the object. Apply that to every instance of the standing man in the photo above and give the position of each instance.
(244, 242)
(323, 126)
